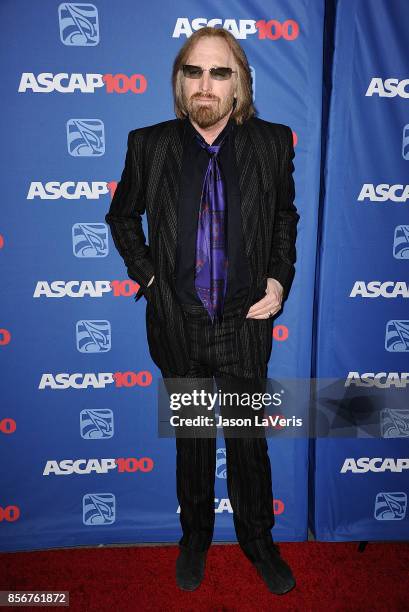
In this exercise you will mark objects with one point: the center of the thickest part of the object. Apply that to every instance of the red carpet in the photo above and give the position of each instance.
(330, 576)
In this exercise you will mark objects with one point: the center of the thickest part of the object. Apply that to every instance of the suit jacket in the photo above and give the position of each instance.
(150, 183)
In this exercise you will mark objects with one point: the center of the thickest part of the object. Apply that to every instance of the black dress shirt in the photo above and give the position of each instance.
(194, 165)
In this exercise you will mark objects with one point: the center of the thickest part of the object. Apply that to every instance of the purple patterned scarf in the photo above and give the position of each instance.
(211, 242)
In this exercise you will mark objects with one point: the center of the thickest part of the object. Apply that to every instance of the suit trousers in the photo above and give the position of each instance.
(219, 351)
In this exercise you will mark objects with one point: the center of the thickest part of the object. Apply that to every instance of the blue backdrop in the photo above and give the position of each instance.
(360, 486)
(81, 459)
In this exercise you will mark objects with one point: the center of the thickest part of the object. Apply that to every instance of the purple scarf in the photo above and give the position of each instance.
(211, 247)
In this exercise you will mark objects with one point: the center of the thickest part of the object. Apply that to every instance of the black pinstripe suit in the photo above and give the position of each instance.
(181, 342)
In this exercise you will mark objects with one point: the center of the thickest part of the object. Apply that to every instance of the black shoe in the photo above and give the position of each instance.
(275, 572)
(190, 567)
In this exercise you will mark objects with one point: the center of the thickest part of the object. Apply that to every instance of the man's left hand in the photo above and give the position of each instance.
(269, 305)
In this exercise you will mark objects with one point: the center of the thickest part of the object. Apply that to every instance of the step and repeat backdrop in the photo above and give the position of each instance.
(82, 462)
(361, 485)
(81, 459)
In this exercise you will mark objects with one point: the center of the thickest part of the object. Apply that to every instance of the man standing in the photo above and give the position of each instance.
(216, 184)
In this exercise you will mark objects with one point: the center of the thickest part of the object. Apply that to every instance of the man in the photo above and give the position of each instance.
(216, 184)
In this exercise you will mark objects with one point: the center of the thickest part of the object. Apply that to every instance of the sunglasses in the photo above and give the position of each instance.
(195, 72)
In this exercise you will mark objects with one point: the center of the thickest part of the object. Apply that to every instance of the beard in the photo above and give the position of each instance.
(206, 114)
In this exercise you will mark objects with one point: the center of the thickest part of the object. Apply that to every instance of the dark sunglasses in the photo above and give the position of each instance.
(195, 72)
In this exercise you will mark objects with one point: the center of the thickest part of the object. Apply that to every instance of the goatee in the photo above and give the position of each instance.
(206, 114)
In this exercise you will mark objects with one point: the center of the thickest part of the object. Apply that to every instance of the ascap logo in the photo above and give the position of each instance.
(96, 424)
(79, 24)
(84, 288)
(98, 509)
(374, 289)
(97, 380)
(377, 464)
(90, 240)
(223, 505)
(85, 137)
(388, 88)
(384, 192)
(405, 142)
(397, 336)
(381, 380)
(390, 506)
(394, 423)
(99, 466)
(62, 82)
(70, 190)
(266, 29)
(401, 242)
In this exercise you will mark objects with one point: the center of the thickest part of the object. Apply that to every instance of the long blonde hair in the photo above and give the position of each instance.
(244, 108)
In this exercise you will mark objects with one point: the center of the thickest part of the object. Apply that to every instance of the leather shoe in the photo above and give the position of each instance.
(190, 567)
(275, 572)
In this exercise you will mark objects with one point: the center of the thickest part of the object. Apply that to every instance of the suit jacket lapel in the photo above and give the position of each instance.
(249, 182)
(168, 155)
(170, 147)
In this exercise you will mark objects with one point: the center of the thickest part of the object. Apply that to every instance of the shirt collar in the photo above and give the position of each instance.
(225, 131)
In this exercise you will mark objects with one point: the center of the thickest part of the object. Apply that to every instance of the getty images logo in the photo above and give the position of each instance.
(79, 26)
(85, 137)
(90, 240)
